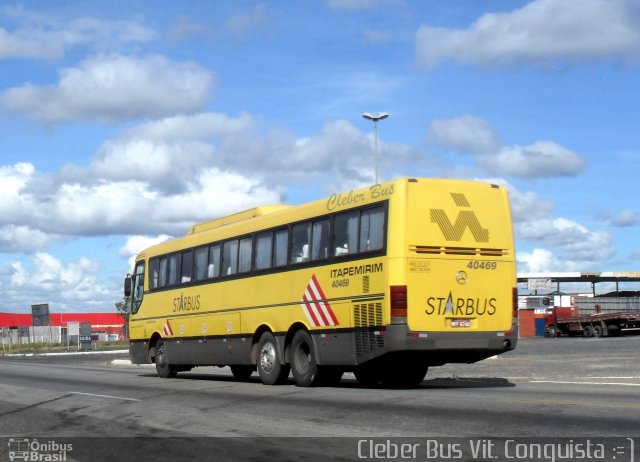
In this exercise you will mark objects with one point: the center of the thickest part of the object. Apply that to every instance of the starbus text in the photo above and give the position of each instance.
(461, 306)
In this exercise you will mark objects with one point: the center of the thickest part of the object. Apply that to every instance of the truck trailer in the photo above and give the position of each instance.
(595, 317)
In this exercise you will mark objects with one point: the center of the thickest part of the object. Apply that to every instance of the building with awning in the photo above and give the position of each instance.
(552, 281)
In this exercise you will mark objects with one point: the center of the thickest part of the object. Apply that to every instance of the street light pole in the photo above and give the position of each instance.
(375, 118)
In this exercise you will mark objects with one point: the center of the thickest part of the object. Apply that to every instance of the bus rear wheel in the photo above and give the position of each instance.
(270, 367)
(404, 371)
(304, 367)
(242, 372)
(368, 374)
(163, 368)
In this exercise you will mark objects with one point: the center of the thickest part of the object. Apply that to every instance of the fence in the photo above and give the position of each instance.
(31, 335)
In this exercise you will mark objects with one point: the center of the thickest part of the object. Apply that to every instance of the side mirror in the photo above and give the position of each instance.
(127, 286)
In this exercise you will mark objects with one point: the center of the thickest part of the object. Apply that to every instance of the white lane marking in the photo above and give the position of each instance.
(103, 396)
(586, 383)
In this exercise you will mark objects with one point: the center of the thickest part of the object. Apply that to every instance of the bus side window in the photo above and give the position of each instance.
(320, 240)
(187, 267)
(264, 250)
(346, 233)
(154, 272)
(173, 276)
(162, 274)
(244, 259)
(213, 268)
(201, 262)
(230, 257)
(372, 229)
(281, 244)
(301, 234)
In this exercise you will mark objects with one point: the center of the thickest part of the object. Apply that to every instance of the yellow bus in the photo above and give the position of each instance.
(383, 281)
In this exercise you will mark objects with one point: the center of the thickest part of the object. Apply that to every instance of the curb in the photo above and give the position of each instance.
(69, 353)
(126, 362)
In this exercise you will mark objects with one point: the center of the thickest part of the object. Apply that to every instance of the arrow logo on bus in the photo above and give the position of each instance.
(465, 219)
(316, 307)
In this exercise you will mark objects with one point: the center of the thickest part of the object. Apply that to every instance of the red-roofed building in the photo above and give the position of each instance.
(110, 324)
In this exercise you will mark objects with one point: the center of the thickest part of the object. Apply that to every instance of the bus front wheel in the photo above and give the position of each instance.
(163, 368)
(270, 368)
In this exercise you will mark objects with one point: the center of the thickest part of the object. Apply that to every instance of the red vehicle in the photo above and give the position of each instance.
(569, 321)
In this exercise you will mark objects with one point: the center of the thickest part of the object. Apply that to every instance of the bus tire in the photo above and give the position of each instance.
(304, 366)
(368, 374)
(163, 368)
(270, 368)
(330, 376)
(403, 372)
(242, 372)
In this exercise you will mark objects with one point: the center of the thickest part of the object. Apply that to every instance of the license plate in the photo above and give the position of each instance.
(461, 323)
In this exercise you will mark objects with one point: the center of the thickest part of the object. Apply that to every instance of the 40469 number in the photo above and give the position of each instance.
(482, 265)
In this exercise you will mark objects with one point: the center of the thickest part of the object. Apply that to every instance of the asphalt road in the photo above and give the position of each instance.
(565, 387)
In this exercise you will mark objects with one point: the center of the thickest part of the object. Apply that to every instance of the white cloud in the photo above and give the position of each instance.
(538, 261)
(528, 206)
(36, 36)
(626, 218)
(23, 239)
(136, 244)
(467, 134)
(542, 159)
(240, 24)
(376, 36)
(25, 45)
(475, 136)
(103, 207)
(13, 178)
(560, 244)
(573, 240)
(50, 279)
(543, 33)
(181, 170)
(112, 88)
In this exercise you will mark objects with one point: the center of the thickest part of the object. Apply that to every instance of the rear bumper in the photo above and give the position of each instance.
(450, 347)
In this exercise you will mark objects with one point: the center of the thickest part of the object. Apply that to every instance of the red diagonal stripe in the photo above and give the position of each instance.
(309, 310)
(316, 284)
(325, 306)
(321, 312)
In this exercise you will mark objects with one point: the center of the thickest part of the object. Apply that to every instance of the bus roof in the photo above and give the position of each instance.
(236, 218)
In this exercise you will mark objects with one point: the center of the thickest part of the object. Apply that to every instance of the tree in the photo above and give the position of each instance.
(122, 307)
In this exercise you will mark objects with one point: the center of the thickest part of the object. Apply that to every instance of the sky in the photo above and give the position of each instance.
(123, 123)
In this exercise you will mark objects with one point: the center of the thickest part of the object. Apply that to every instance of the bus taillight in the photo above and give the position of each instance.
(515, 303)
(398, 304)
